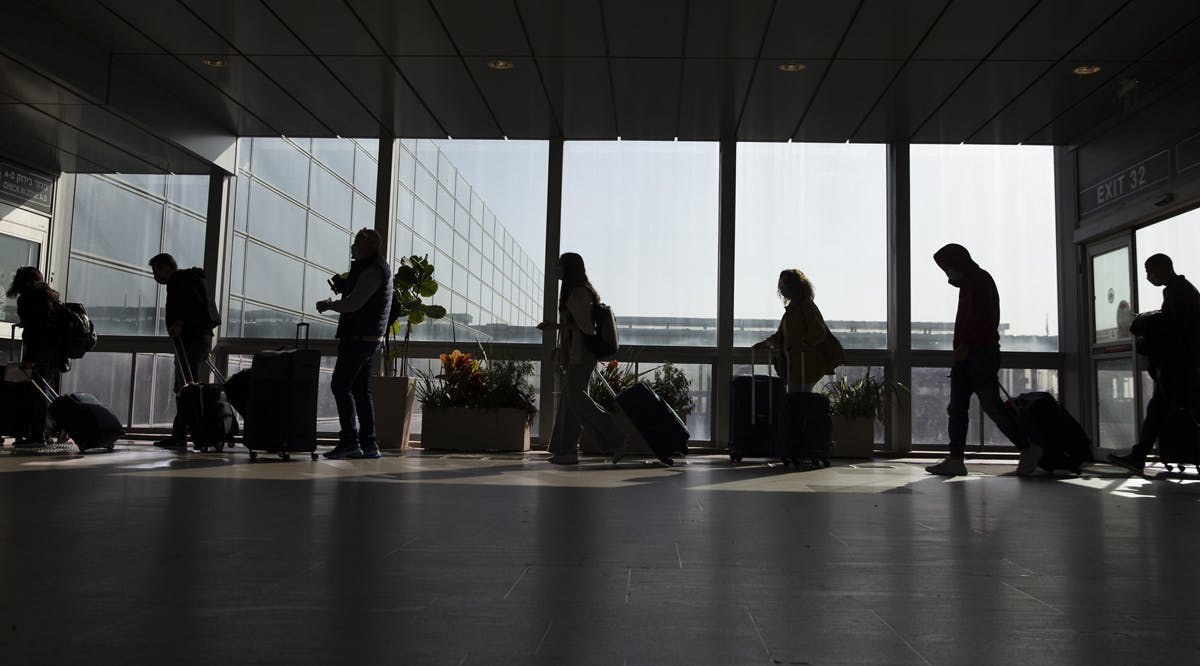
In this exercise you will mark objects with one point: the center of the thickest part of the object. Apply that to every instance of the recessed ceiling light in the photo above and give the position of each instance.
(500, 64)
(792, 66)
(1086, 70)
(215, 61)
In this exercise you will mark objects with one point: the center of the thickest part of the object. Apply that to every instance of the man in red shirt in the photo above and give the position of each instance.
(976, 362)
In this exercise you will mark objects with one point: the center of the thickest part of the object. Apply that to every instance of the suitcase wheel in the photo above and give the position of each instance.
(285, 455)
(315, 456)
(253, 455)
(825, 462)
(735, 458)
(1167, 466)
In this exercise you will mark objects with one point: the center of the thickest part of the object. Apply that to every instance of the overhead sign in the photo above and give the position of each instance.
(1127, 181)
(23, 187)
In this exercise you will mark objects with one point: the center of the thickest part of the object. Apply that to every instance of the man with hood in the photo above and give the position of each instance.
(976, 362)
(190, 315)
(1175, 363)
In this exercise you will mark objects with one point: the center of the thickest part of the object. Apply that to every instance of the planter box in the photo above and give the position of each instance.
(393, 397)
(853, 438)
(466, 429)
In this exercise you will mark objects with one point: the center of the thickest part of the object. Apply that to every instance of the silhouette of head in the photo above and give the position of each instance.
(955, 261)
(573, 273)
(795, 285)
(163, 266)
(366, 244)
(24, 279)
(1159, 269)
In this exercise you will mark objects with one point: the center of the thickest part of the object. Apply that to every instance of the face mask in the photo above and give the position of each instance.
(954, 277)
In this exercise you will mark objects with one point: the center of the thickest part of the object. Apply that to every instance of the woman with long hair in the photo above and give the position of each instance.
(801, 330)
(43, 355)
(576, 409)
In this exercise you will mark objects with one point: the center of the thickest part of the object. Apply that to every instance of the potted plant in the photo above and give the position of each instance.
(668, 381)
(395, 393)
(855, 406)
(474, 405)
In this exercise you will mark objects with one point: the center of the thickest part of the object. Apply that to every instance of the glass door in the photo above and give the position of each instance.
(1117, 408)
(22, 243)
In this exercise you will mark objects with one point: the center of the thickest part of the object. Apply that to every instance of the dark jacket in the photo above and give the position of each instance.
(1181, 308)
(188, 301)
(977, 322)
(370, 320)
(36, 308)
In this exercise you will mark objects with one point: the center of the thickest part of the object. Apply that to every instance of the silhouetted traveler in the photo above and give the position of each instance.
(976, 362)
(576, 409)
(190, 315)
(37, 305)
(1174, 357)
(363, 310)
(801, 330)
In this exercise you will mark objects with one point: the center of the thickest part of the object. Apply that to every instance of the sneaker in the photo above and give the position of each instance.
(372, 452)
(620, 449)
(950, 466)
(172, 444)
(1029, 460)
(1131, 462)
(340, 452)
(565, 459)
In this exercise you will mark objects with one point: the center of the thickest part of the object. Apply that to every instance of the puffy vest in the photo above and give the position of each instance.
(371, 319)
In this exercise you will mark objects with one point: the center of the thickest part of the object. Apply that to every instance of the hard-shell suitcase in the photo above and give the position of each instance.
(282, 407)
(16, 395)
(805, 429)
(210, 418)
(1179, 440)
(755, 400)
(653, 420)
(1063, 441)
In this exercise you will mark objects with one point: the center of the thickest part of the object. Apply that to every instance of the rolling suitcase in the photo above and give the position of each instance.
(210, 418)
(237, 391)
(85, 419)
(16, 396)
(282, 404)
(755, 401)
(652, 419)
(1179, 440)
(1063, 441)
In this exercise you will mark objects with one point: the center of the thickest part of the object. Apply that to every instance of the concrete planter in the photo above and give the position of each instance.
(393, 397)
(467, 429)
(853, 438)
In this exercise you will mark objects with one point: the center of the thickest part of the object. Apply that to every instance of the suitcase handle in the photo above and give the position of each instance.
(305, 325)
(604, 381)
(184, 367)
(49, 397)
(770, 387)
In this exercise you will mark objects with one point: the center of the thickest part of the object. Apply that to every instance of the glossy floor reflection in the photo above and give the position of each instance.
(140, 556)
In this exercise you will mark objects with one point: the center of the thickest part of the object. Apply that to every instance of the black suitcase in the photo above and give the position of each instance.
(1063, 441)
(237, 391)
(16, 395)
(664, 433)
(1179, 440)
(84, 418)
(282, 405)
(805, 429)
(755, 400)
(210, 418)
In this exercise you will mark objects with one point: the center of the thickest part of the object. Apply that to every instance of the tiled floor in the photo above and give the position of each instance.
(141, 556)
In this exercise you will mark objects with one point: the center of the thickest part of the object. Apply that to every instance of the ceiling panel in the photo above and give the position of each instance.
(404, 27)
(726, 28)
(807, 29)
(483, 27)
(170, 25)
(257, 92)
(376, 81)
(321, 93)
(1054, 93)
(777, 100)
(647, 97)
(1102, 103)
(517, 98)
(450, 93)
(993, 85)
(885, 29)
(249, 26)
(24, 84)
(640, 29)
(849, 89)
(970, 28)
(118, 133)
(1184, 44)
(1053, 28)
(19, 147)
(186, 84)
(558, 28)
(103, 27)
(1136, 30)
(921, 86)
(328, 28)
(713, 93)
(580, 92)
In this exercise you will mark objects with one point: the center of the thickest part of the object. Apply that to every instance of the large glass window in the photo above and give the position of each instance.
(644, 217)
(1178, 238)
(998, 202)
(14, 253)
(821, 208)
(478, 210)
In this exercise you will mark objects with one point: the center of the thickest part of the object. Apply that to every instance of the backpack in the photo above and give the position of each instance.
(77, 332)
(604, 343)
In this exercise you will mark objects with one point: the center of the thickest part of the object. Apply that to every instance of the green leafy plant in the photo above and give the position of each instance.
(864, 398)
(412, 283)
(467, 382)
(669, 382)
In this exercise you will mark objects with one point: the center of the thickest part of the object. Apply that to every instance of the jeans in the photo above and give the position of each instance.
(577, 410)
(1175, 387)
(197, 348)
(351, 388)
(978, 375)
